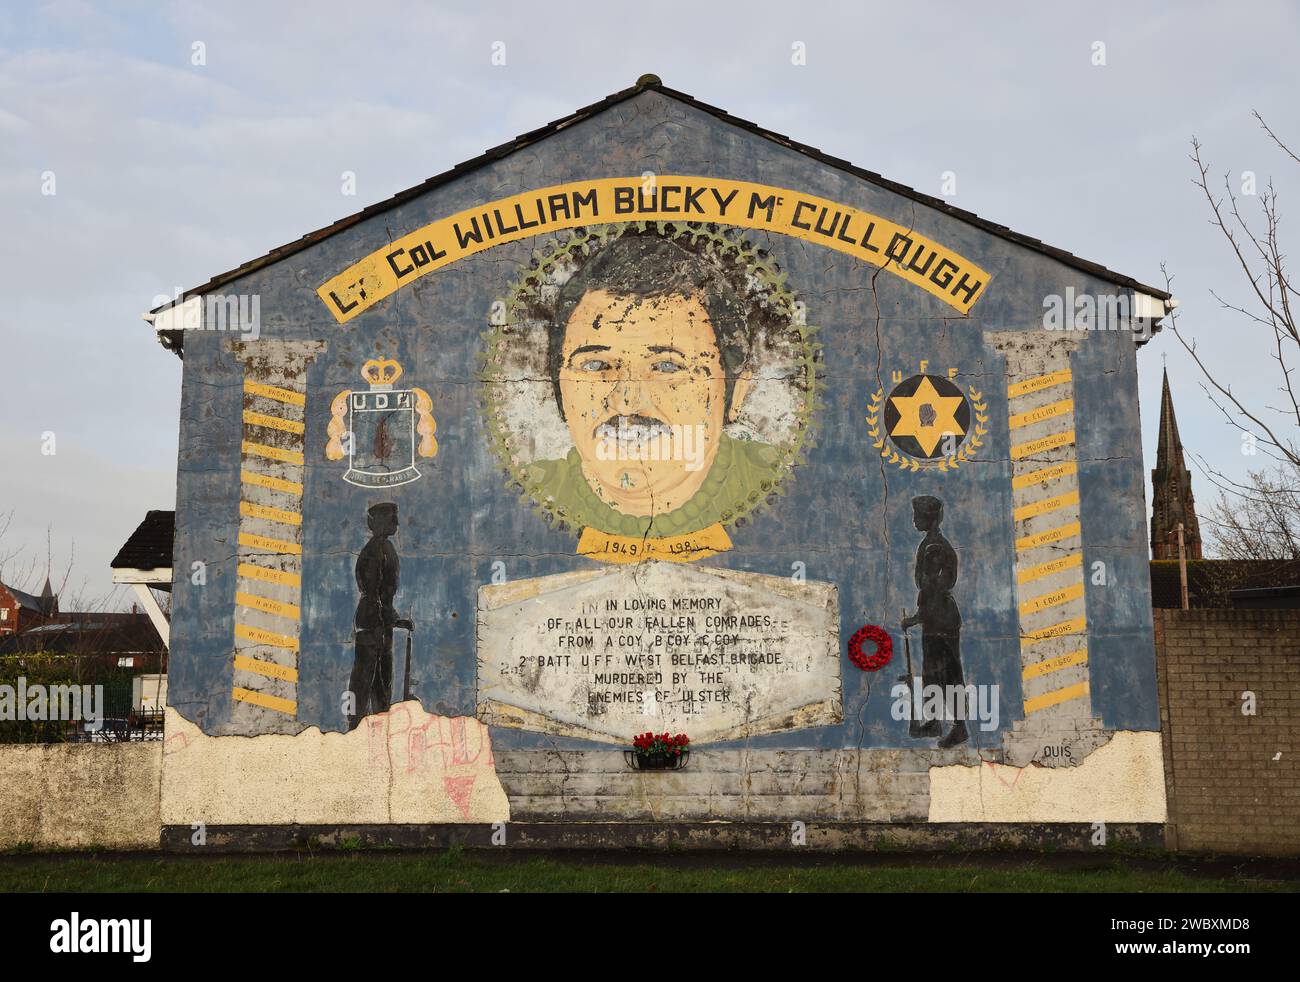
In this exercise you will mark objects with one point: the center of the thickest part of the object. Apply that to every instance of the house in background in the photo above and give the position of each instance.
(144, 562)
(125, 652)
(120, 652)
(20, 611)
(100, 642)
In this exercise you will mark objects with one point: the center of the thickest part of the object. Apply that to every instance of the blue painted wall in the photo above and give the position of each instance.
(844, 516)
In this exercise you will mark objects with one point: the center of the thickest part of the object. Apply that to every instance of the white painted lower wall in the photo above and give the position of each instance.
(402, 766)
(1121, 781)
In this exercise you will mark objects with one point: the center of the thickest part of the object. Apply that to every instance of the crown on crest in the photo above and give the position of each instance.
(381, 372)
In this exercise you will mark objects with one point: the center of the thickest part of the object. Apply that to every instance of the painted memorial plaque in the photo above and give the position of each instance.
(717, 653)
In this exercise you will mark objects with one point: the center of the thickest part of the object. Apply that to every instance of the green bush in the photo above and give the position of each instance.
(59, 669)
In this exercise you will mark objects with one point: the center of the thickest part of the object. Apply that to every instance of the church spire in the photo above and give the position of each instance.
(1171, 485)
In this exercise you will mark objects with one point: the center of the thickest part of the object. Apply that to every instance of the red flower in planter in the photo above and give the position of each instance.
(654, 744)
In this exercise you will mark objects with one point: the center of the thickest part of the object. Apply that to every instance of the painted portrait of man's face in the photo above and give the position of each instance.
(649, 388)
(644, 391)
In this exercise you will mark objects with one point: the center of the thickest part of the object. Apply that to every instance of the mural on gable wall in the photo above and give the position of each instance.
(679, 463)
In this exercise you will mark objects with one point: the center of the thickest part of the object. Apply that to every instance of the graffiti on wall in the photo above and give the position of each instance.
(1050, 585)
(401, 765)
(603, 654)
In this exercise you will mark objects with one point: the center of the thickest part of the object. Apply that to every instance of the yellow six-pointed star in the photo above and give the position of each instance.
(927, 416)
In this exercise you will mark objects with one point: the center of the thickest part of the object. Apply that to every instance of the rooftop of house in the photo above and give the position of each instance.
(123, 634)
(150, 545)
(44, 604)
(1211, 582)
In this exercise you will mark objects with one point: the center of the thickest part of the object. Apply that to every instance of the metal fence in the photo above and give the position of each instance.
(120, 720)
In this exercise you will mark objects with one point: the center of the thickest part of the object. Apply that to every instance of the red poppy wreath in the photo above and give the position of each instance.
(877, 660)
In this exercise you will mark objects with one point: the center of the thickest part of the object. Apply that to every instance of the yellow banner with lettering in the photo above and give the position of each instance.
(895, 248)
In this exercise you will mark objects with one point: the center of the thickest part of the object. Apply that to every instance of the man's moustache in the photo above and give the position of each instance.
(633, 427)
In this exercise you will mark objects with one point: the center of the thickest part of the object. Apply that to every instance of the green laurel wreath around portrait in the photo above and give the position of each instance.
(766, 292)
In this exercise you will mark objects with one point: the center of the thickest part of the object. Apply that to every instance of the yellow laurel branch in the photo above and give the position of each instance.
(337, 427)
(427, 425)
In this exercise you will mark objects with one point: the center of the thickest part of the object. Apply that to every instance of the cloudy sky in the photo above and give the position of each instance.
(166, 171)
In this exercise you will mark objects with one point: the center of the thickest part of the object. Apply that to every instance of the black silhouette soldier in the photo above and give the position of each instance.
(937, 613)
(377, 569)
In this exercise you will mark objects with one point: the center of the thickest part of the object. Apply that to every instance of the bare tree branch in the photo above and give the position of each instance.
(1260, 256)
(1284, 148)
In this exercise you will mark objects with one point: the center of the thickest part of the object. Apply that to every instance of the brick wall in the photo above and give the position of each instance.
(1233, 779)
(8, 612)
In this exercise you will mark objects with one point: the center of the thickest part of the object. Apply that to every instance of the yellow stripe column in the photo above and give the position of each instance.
(268, 582)
(1050, 575)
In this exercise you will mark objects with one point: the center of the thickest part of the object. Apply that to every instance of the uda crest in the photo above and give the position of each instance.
(381, 430)
(927, 421)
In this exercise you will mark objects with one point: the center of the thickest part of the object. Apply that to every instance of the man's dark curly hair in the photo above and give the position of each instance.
(649, 265)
